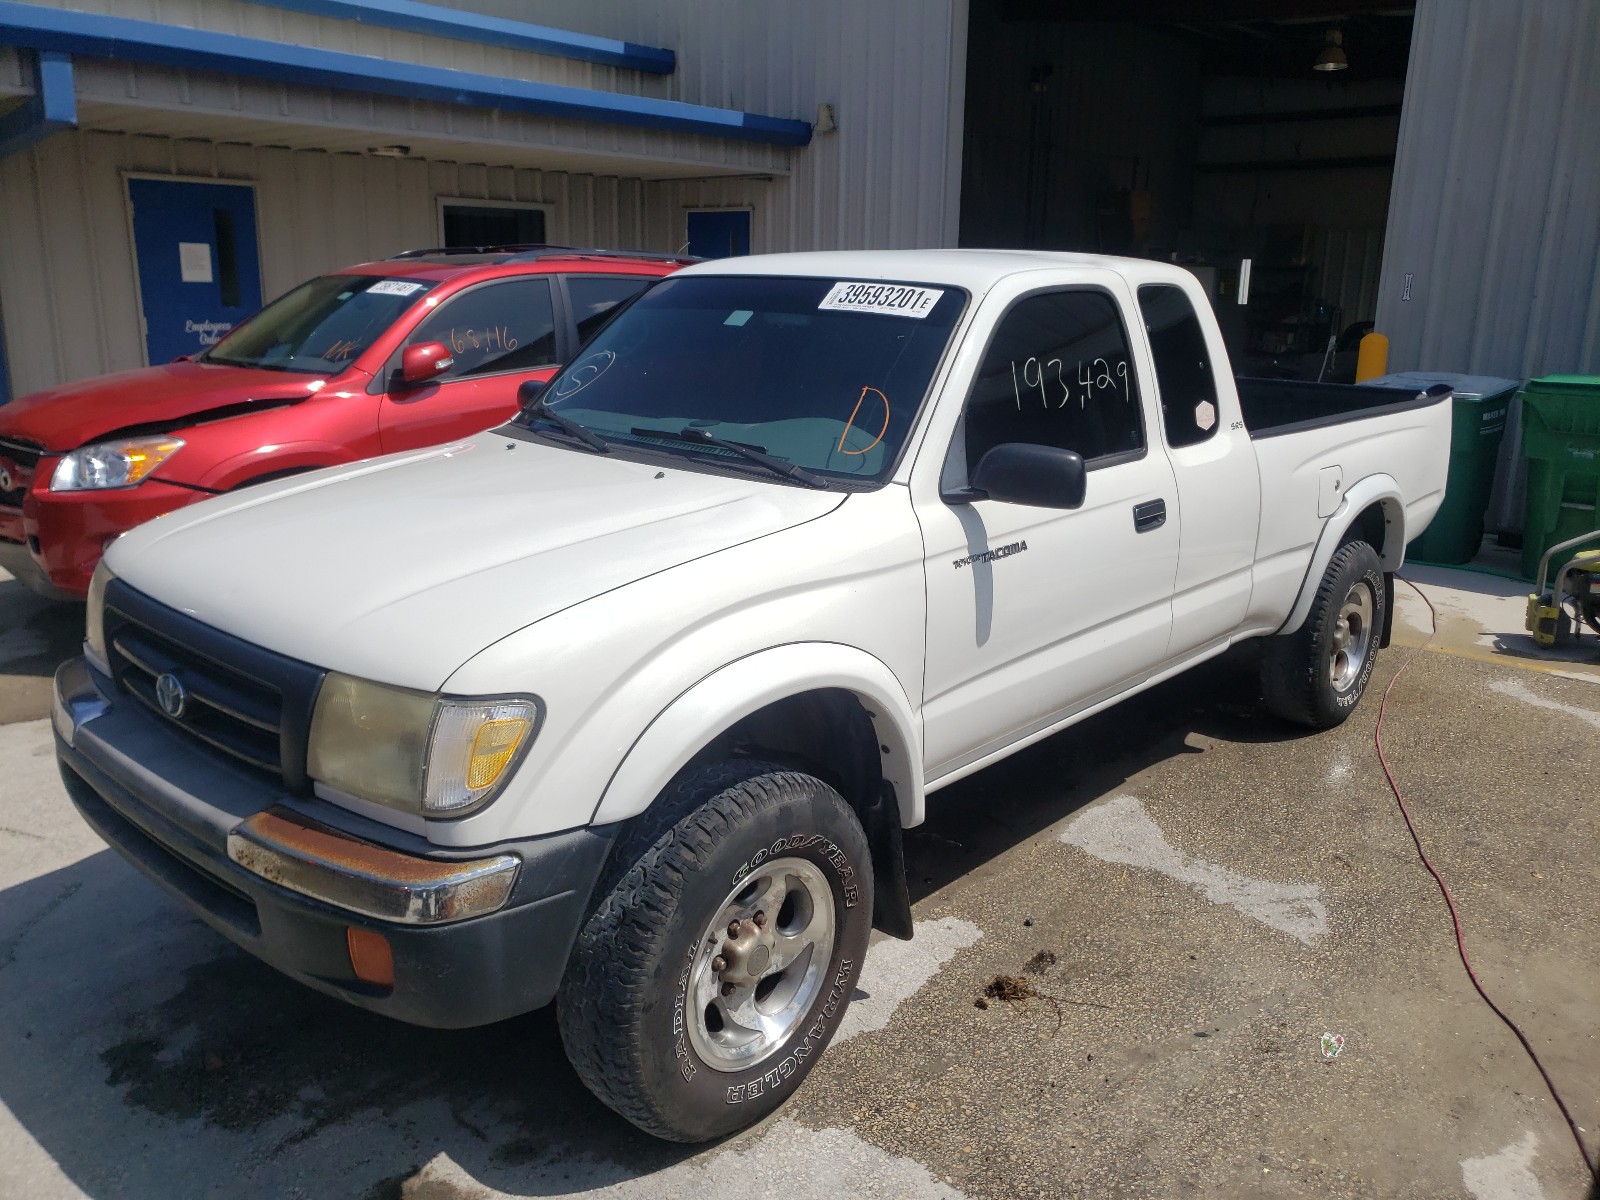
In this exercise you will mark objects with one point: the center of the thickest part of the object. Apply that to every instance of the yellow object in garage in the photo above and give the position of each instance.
(1372, 359)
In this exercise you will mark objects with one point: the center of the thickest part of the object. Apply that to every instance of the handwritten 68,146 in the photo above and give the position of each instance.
(494, 337)
(1047, 378)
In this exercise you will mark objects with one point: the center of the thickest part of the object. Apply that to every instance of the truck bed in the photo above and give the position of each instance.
(1277, 406)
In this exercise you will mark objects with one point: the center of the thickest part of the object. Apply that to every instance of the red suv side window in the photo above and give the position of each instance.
(503, 326)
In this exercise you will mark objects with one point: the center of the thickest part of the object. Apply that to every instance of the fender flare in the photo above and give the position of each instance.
(732, 692)
(1374, 489)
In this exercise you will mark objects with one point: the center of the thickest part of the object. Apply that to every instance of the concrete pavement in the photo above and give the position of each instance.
(1203, 894)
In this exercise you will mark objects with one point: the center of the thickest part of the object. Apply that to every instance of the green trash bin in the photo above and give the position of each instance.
(1561, 440)
(1478, 421)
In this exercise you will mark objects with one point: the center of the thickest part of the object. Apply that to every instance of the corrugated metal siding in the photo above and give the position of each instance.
(888, 177)
(14, 80)
(894, 70)
(67, 263)
(1497, 186)
(330, 33)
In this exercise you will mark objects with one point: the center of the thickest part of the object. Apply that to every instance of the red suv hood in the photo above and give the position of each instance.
(65, 418)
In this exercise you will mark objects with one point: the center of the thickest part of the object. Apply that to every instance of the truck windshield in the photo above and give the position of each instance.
(321, 326)
(826, 374)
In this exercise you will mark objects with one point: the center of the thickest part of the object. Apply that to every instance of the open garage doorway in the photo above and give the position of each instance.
(1259, 131)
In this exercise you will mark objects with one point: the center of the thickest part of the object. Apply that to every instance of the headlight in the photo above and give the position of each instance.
(415, 751)
(94, 634)
(116, 464)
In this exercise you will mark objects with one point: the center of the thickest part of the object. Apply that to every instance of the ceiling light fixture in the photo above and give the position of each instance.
(389, 151)
(1332, 57)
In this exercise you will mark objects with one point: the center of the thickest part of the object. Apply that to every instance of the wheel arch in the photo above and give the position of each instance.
(835, 709)
(1375, 513)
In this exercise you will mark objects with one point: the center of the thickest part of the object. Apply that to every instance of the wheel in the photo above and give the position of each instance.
(1316, 675)
(716, 967)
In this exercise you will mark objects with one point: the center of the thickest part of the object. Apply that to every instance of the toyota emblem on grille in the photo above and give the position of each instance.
(6, 481)
(171, 696)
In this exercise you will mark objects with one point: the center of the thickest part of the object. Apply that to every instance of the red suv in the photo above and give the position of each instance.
(420, 348)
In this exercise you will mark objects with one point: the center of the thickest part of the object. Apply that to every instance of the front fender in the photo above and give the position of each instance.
(250, 465)
(1374, 489)
(742, 687)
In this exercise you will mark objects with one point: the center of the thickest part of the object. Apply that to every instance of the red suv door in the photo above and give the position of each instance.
(499, 333)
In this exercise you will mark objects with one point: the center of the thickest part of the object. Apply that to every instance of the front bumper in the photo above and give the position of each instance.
(170, 808)
(55, 541)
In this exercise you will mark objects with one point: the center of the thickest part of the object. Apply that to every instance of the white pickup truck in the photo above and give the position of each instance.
(625, 704)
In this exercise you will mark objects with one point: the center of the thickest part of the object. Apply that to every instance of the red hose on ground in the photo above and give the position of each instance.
(1455, 917)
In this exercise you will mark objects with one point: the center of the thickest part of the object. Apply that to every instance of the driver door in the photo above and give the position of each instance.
(1034, 613)
(499, 333)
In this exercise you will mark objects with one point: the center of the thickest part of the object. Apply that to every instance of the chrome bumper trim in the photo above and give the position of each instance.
(283, 848)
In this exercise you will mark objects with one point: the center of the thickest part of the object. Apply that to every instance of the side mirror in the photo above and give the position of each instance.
(1023, 473)
(529, 391)
(425, 361)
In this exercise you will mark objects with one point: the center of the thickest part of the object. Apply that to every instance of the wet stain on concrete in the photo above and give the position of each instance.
(240, 1047)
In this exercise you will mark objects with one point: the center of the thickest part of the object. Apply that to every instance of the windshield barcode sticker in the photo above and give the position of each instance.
(895, 299)
(394, 287)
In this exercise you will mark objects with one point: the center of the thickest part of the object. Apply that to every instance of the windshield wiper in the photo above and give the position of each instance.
(695, 435)
(539, 410)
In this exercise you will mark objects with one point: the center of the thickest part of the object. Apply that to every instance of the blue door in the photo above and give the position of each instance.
(719, 233)
(199, 274)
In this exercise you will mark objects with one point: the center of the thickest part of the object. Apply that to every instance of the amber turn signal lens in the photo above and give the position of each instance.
(370, 956)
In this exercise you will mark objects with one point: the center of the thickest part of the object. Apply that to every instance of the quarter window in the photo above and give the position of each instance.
(1184, 373)
(1058, 372)
(508, 326)
(595, 296)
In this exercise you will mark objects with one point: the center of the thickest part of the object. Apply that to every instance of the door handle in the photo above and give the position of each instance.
(1152, 514)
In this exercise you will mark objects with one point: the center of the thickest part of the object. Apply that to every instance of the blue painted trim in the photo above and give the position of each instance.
(173, 46)
(414, 17)
(52, 108)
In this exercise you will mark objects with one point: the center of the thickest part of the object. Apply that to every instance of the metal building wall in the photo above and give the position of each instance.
(1490, 259)
(894, 70)
(66, 256)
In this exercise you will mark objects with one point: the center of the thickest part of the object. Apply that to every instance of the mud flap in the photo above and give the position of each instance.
(891, 904)
(1388, 610)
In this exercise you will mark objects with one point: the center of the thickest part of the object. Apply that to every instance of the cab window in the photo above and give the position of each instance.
(1184, 373)
(503, 326)
(1058, 372)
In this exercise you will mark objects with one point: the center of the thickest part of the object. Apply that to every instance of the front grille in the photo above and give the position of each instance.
(23, 453)
(22, 457)
(249, 704)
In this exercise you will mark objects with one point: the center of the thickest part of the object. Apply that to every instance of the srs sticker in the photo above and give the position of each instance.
(895, 299)
(394, 287)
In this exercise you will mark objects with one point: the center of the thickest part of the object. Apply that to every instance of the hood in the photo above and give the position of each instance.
(401, 569)
(65, 418)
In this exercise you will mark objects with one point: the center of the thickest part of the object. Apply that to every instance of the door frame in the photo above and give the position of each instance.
(133, 243)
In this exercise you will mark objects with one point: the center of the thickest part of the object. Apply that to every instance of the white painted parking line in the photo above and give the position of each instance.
(1120, 831)
(787, 1159)
(1518, 690)
(895, 971)
(1505, 1174)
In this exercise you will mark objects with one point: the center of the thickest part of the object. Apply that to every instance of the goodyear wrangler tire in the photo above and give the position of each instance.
(1317, 675)
(717, 967)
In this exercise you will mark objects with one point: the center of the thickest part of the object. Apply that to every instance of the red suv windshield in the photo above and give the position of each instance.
(319, 327)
